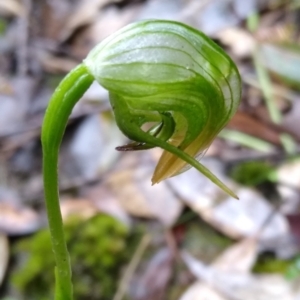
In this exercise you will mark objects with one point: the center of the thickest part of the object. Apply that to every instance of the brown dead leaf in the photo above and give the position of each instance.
(260, 287)
(131, 185)
(104, 201)
(211, 16)
(106, 23)
(238, 258)
(246, 218)
(97, 201)
(278, 92)
(247, 124)
(291, 119)
(79, 207)
(238, 40)
(91, 152)
(55, 64)
(241, 285)
(18, 220)
(123, 186)
(152, 283)
(201, 291)
(11, 8)
(84, 13)
(289, 174)
(5, 86)
(282, 60)
(230, 275)
(236, 219)
(14, 105)
(47, 18)
(157, 9)
(288, 178)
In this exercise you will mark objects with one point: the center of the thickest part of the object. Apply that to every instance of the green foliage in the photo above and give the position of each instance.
(2, 26)
(204, 242)
(283, 60)
(293, 270)
(252, 173)
(268, 263)
(98, 249)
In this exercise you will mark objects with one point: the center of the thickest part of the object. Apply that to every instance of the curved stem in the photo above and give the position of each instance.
(59, 109)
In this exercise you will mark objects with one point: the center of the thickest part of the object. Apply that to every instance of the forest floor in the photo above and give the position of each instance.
(182, 238)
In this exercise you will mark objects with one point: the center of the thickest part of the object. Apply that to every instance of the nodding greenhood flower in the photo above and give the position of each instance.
(162, 74)
(171, 74)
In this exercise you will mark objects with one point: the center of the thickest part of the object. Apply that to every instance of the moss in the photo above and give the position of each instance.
(204, 242)
(252, 173)
(268, 263)
(98, 249)
(3, 26)
(293, 270)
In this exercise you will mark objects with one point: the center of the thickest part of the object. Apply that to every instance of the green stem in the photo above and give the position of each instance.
(59, 109)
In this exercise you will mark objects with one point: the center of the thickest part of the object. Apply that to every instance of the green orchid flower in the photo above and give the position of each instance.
(163, 74)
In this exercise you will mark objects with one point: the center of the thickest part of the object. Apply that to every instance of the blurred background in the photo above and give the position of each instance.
(183, 238)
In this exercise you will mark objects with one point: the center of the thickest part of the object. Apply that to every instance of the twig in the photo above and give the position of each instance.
(132, 267)
(23, 28)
